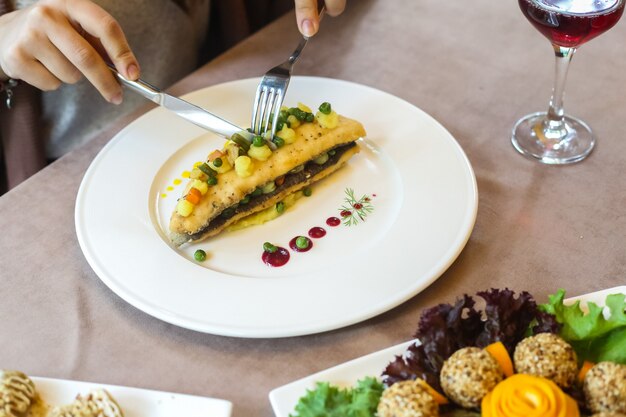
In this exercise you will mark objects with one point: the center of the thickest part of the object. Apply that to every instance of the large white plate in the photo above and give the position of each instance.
(135, 402)
(425, 207)
(285, 398)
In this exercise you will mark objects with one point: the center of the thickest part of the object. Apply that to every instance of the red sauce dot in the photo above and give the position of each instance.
(317, 232)
(292, 244)
(357, 206)
(345, 213)
(333, 221)
(278, 258)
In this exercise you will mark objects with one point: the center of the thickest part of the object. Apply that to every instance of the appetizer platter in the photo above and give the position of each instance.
(564, 357)
(24, 396)
(391, 175)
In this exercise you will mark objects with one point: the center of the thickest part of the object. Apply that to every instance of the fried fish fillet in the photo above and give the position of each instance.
(297, 164)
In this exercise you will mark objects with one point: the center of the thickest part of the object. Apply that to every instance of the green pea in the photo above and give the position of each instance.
(302, 242)
(245, 200)
(307, 191)
(310, 117)
(279, 126)
(332, 152)
(199, 255)
(325, 107)
(212, 181)
(258, 141)
(280, 207)
(217, 162)
(268, 247)
(256, 192)
(283, 115)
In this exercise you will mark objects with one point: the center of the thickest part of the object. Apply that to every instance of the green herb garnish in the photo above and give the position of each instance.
(331, 401)
(593, 337)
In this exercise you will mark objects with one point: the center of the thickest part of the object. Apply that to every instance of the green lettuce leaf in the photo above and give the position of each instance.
(594, 337)
(330, 401)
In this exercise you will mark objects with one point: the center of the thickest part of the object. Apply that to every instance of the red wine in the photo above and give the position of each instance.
(570, 23)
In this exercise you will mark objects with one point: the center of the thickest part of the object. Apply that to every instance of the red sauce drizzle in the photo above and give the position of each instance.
(317, 232)
(278, 258)
(333, 221)
(293, 246)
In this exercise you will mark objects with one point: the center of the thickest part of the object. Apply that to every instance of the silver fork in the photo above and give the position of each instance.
(271, 91)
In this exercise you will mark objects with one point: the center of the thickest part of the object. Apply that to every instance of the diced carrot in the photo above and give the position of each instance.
(439, 398)
(279, 181)
(501, 355)
(193, 196)
(583, 370)
(215, 154)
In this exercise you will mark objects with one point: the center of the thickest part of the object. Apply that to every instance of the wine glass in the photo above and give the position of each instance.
(553, 137)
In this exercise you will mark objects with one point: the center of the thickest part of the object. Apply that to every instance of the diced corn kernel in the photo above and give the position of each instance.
(268, 187)
(202, 186)
(197, 174)
(304, 107)
(225, 167)
(232, 150)
(328, 121)
(287, 134)
(244, 166)
(184, 208)
(260, 153)
(293, 121)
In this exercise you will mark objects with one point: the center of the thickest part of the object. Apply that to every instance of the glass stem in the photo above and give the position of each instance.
(555, 123)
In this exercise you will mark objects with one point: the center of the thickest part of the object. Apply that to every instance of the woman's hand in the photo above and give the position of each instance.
(307, 17)
(59, 41)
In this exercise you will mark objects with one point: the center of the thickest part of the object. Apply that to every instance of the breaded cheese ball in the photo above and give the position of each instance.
(605, 388)
(548, 356)
(468, 375)
(407, 399)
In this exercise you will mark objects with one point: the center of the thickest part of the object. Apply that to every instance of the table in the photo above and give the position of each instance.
(476, 67)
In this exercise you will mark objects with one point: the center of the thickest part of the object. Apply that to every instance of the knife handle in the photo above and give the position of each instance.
(147, 90)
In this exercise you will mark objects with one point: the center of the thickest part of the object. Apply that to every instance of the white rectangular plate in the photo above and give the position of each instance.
(135, 402)
(285, 398)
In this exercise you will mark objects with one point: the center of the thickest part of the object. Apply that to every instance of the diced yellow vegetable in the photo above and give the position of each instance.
(287, 134)
(293, 121)
(232, 150)
(184, 208)
(260, 153)
(244, 166)
(328, 121)
(202, 186)
(304, 107)
(196, 174)
(225, 167)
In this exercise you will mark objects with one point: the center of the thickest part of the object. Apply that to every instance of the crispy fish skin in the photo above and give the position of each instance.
(311, 141)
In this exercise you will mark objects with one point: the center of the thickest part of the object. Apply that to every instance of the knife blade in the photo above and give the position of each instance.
(190, 112)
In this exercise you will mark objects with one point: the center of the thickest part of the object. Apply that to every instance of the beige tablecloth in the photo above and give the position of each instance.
(474, 66)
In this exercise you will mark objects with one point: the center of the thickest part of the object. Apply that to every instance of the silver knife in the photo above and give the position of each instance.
(190, 112)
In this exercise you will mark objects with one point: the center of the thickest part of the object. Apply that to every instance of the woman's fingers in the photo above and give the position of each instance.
(335, 7)
(98, 23)
(64, 38)
(308, 17)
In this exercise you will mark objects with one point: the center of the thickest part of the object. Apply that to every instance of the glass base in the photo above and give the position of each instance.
(550, 142)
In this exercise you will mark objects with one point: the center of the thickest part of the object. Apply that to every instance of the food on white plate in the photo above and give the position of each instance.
(244, 178)
(96, 403)
(19, 398)
(512, 359)
(605, 388)
(407, 399)
(468, 375)
(549, 356)
(17, 394)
